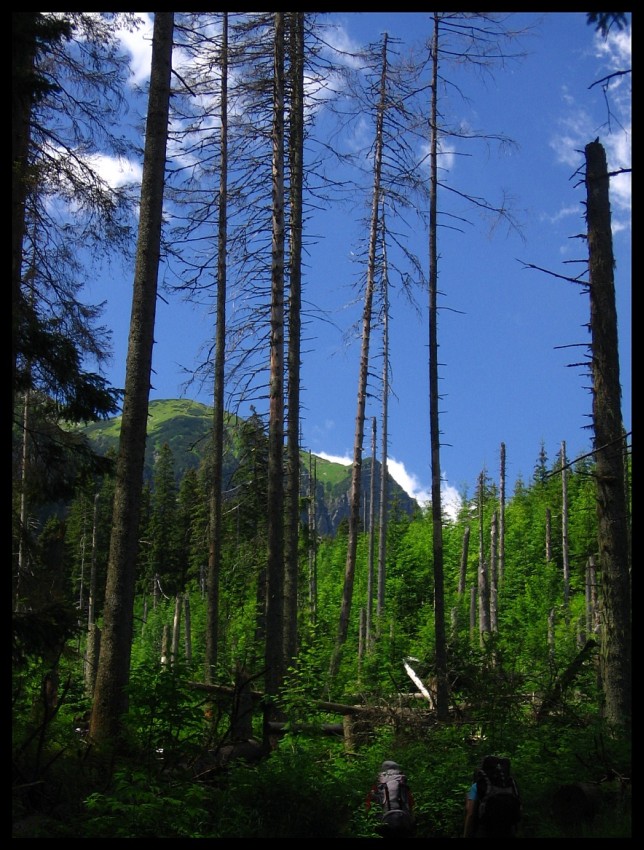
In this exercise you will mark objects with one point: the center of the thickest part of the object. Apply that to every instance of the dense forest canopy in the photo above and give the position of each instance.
(187, 632)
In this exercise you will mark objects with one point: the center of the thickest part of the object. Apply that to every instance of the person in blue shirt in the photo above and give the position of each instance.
(502, 821)
(471, 812)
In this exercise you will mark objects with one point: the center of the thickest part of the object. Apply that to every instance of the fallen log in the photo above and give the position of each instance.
(321, 705)
(321, 728)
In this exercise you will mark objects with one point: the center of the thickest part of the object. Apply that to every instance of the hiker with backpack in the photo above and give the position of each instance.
(492, 803)
(392, 796)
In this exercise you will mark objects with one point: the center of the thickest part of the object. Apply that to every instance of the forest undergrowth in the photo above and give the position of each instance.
(172, 783)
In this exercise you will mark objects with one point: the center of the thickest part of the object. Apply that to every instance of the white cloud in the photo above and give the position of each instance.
(578, 127)
(343, 459)
(451, 500)
(116, 171)
(408, 481)
(139, 45)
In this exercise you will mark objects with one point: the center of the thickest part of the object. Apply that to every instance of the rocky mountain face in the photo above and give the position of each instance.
(185, 426)
(332, 504)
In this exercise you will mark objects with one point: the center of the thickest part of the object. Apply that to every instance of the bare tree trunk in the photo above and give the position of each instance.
(93, 578)
(548, 535)
(187, 629)
(216, 492)
(165, 646)
(501, 572)
(472, 611)
(93, 632)
(296, 158)
(384, 472)
(356, 472)
(442, 706)
(564, 532)
(592, 580)
(483, 579)
(370, 564)
(313, 539)
(176, 629)
(494, 574)
(23, 557)
(551, 634)
(110, 692)
(274, 649)
(609, 445)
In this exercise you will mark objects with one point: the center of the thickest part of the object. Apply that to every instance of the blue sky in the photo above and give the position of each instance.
(507, 334)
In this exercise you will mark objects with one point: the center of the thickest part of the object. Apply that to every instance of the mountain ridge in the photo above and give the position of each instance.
(185, 426)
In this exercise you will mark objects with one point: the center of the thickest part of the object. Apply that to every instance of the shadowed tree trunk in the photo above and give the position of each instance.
(384, 475)
(483, 576)
(548, 535)
(564, 532)
(613, 536)
(274, 650)
(313, 540)
(442, 707)
(494, 573)
(502, 514)
(216, 492)
(93, 633)
(110, 691)
(296, 160)
(370, 561)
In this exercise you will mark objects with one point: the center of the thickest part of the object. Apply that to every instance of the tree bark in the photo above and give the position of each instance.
(372, 516)
(494, 574)
(384, 474)
(612, 515)
(110, 692)
(442, 702)
(483, 576)
(176, 629)
(296, 159)
(564, 532)
(313, 540)
(548, 535)
(356, 470)
(216, 493)
(274, 648)
(501, 570)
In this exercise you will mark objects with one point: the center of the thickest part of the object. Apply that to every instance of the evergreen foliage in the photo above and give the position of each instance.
(173, 783)
(527, 687)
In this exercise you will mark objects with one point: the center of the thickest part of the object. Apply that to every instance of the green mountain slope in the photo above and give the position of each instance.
(186, 427)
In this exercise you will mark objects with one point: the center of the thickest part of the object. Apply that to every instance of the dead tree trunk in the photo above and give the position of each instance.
(613, 535)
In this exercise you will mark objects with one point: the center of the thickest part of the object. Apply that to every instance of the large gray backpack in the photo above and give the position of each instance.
(395, 799)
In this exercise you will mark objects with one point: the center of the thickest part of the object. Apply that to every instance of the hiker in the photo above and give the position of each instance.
(392, 795)
(492, 802)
